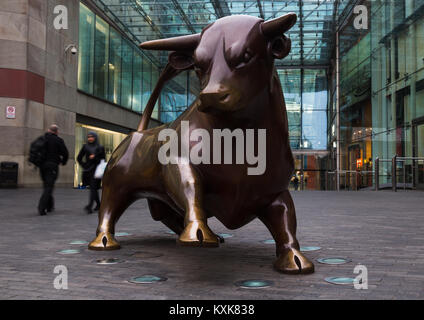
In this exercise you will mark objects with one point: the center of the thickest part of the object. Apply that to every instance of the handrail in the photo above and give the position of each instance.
(403, 159)
(410, 158)
(350, 171)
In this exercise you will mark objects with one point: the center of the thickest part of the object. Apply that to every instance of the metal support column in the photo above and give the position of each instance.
(337, 111)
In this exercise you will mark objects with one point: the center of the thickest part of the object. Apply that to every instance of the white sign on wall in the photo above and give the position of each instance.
(10, 112)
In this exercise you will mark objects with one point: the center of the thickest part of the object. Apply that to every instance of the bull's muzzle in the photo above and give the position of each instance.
(223, 100)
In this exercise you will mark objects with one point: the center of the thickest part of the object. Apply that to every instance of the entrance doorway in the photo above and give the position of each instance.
(310, 170)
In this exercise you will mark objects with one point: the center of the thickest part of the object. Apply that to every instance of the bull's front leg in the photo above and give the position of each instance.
(280, 219)
(184, 185)
(115, 199)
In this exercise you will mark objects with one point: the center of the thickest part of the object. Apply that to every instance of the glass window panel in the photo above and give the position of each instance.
(194, 87)
(146, 80)
(293, 118)
(126, 91)
(86, 49)
(174, 98)
(364, 48)
(115, 57)
(101, 59)
(314, 130)
(137, 83)
(314, 96)
(290, 83)
(419, 104)
(155, 77)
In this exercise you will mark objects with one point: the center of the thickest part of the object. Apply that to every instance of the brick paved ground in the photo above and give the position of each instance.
(383, 231)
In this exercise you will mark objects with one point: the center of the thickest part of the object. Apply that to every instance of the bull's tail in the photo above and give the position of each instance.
(167, 73)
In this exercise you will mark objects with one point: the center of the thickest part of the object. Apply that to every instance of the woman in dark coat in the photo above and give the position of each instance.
(89, 158)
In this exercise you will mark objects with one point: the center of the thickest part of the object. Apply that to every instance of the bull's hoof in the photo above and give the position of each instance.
(198, 234)
(293, 262)
(104, 241)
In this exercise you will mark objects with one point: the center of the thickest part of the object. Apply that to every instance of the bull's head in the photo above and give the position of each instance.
(233, 58)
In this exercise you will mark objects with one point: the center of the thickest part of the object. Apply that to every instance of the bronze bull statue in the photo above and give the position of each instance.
(234, 60)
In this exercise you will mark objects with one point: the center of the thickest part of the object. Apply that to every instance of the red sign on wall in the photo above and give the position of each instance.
(10, 112)
(358, 163)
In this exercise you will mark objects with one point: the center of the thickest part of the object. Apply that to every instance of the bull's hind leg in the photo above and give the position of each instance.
(162, 212)
(280, 219)
(114, 202)
(172, 219)
(184, 185)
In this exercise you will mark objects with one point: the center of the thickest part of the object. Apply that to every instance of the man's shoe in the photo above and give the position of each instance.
(97, 207)
(42, 212)
(88, 209)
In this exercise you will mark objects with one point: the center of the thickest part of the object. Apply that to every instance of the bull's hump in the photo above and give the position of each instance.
(234, 27)
(237, 18)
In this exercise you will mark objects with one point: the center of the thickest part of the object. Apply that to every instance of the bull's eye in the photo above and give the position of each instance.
(246, 57)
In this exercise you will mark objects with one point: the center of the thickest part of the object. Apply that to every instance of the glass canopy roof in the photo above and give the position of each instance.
(312, 36)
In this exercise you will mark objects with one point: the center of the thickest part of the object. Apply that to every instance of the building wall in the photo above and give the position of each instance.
(40, 80)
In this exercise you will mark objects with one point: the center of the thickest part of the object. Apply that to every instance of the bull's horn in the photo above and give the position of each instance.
(278, 26)
(183, 43)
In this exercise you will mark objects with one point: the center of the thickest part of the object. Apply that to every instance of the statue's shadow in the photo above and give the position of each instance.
(214, 265)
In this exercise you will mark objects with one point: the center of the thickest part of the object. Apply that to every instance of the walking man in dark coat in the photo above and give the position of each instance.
(55, 153)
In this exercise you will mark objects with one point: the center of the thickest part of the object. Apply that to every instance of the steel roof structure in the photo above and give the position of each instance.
(312, 36)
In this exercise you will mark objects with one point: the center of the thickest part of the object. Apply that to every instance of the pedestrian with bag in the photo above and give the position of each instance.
(89, 157)
(47, 152)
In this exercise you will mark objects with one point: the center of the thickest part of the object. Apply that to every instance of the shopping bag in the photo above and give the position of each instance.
(100, 169)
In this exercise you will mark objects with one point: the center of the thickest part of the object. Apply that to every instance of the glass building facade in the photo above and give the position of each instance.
(112, 68)
(381, 96)
(353, 82)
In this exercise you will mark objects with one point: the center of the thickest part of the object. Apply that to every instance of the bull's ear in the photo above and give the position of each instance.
(181, 60)
(280, 47)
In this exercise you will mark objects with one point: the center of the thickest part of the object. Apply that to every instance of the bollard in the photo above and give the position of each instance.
(404, 176)
(326, 180)
(376, 172)
(356, 181)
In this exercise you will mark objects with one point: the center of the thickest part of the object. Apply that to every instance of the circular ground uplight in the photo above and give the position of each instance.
(311, 248)
(122, 234)
(340, 280)
(108, 261)
(147, 279)
(80, 242)
(269, 241)
(333, 260)
(69, 251)
(254, 284)
(170, 232)
(146, 255)
(225, 235)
